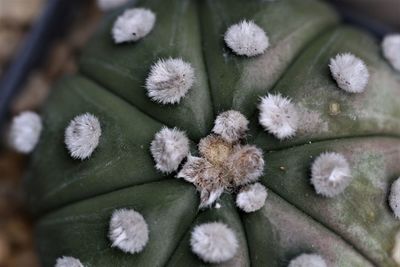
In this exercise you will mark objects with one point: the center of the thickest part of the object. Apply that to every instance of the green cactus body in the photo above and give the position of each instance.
(74, 199)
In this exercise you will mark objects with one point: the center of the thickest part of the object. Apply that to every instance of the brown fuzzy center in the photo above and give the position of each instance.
(215, 149)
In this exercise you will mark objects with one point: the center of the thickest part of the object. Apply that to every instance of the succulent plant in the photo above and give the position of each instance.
(231, 133)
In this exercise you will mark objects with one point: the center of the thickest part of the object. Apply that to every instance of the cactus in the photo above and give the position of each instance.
(274, 143)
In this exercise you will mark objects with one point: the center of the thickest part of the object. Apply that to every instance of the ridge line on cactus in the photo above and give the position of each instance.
(186, 231)
(161, 179)
(204, 59)
(305, 143)
(320, 223)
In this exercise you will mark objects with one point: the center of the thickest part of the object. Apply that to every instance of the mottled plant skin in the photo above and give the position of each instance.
(73, 200)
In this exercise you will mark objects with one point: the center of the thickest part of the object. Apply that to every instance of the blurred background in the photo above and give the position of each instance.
(40, 41)
(27, 72)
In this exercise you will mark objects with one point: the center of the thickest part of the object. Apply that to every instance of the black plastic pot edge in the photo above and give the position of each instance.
(50, 24)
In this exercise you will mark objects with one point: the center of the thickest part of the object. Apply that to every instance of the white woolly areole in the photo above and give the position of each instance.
(246, 38)
(169, 148)
(391, 49)
(214, 242)
(82, 136)
(246, 164)
(252, 198)
(133, 24)
(308, 260)
(394, 198)
(350, 72)
(25, 132)
(330, 174)
(279, 116)
(68, 262)
(231, 125)
(204, 176)
(107, 5)
(169, 80)
(128, 231)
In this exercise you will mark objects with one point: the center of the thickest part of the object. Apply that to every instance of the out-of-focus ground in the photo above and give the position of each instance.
(386, 11)
(16, 19)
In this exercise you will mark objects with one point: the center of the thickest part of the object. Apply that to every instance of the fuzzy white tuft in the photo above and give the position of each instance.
(107, 5)
(231, 125)
(279, 116)
(25, 132)
(350, 72)
(82, 136)
(128, 231)
(391, 49)
(68, 262)
(330, 174)
(246, 38)
(133, 25)
(195, 166)
(252, 198)
(205, 177)
(245, 165)
(207, 198)
(169, 148)
(394, 198)
(214, 242)
(169, 80)
(308, 260)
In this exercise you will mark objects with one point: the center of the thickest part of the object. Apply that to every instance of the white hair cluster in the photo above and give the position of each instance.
(194, 167)
(207, 198)
(350, 72)
(231, 125)
(205, 177)
(246, 38)
(252, 198)
(245, 164)
(169, 148)
(128, 231)
(169, 80)
(133, 25)
(278, 115)
(330, 174)
(107, 5)
(308, 260)
(68, 262)
(394, 198)
(82, 136)
(25, 132)
(214, 242)
(391, 49)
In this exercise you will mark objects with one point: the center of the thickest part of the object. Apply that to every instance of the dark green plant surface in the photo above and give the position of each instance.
(74, 199)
